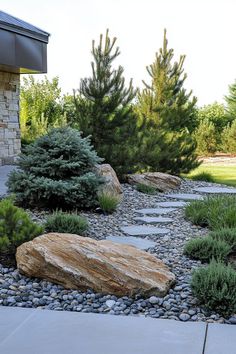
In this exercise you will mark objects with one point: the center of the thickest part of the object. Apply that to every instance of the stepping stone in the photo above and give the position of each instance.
(140, 243)
(152, 219)
(153, 211)
(172, 204)
(135, 230)
(185, 196)
(216, 190)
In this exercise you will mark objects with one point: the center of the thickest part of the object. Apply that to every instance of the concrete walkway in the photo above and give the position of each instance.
(4, 171)
(36, 331)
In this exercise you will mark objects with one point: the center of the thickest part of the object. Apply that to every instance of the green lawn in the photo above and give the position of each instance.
(225, 174)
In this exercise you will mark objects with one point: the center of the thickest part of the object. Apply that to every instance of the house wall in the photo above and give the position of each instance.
(9, 117)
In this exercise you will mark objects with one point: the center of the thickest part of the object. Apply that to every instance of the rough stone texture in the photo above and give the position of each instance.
(79, 263)
(112, 184)
(9, 117)
(160, 181)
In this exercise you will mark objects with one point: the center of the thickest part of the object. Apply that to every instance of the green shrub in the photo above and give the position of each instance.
(229, 138)
(203, 176)
(143, 188)
(57, 171)
(108, 201)
(206, 248)
(68, 223)
(227, 235)
(16, 227)
(214, 212)
(206, 137)
(215, 287)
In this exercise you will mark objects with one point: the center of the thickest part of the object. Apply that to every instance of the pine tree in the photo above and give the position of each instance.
(168, 113)
(231, 102)
(105, 109)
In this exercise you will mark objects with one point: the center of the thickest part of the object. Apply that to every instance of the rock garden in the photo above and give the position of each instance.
(73, 238)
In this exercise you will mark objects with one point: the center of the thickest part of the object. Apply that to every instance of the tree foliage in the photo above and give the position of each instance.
(229, 138)
(206, 138)
(40, 107)
(231, 102)
(104, 108)
(168, 116)
(214, 113)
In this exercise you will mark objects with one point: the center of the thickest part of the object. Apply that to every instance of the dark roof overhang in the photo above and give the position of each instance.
(23, 47)
(16, 25)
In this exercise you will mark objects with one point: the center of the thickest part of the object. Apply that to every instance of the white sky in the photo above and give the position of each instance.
(204, 30)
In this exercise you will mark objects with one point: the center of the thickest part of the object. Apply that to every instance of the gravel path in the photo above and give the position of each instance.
(179, 304)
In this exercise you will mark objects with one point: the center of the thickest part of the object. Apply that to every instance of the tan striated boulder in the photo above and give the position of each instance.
(112, 184)
(161, 181)
(80, 263)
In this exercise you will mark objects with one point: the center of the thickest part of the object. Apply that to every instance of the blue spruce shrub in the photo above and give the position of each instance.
(57, 171)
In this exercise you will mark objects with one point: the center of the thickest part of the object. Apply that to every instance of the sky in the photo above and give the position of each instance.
(203, 30)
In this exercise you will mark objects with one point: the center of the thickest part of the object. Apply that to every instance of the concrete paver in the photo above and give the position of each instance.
(185, 196)
(53, 332)
(221, 339)
(135, 230)
(216, 190)
(140, 243)
(152, 220)
(154, 211)
(172, 204)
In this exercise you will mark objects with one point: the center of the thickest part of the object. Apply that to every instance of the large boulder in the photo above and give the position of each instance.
(80, 263)
(158, 180)
(112, 184)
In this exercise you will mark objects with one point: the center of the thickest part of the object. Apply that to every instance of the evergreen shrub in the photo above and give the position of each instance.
(214, 212)
(215, 287)
(57, 171)
(16, 227)
(227, 235)
(206, 248)
(67, 223)
(229, 138)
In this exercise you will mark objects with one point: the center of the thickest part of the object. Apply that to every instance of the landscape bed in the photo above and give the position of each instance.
(179, 303)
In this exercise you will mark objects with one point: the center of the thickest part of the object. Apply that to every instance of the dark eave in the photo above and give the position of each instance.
(15, 25)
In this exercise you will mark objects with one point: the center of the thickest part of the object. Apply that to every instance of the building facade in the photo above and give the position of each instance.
(23, 50)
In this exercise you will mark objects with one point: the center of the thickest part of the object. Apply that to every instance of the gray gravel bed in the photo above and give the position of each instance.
(178, 304)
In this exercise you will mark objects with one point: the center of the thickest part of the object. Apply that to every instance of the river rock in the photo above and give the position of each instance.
(112, 184)
(158, 180)
(80, 263)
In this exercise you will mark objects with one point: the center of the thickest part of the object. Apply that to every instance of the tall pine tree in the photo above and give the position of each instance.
(231, 103)
(105, 110)
(168, 114)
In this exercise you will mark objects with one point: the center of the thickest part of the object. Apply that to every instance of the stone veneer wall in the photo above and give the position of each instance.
(9, 117)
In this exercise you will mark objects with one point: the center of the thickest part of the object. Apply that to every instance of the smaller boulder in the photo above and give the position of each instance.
(112, 184)
(163, 182)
